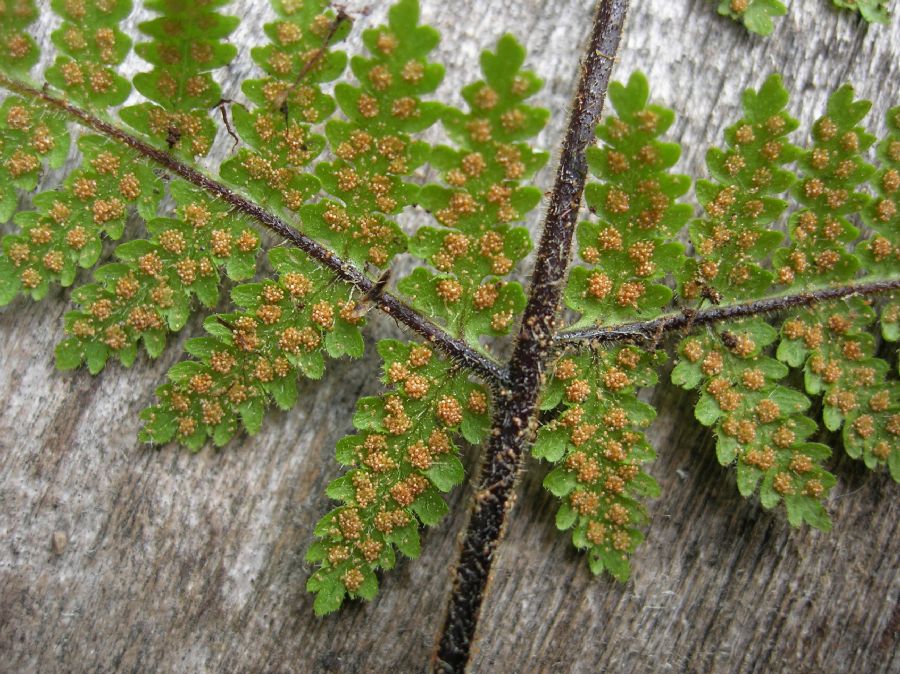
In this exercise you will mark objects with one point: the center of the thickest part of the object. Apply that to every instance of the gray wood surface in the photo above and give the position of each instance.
(118, 557)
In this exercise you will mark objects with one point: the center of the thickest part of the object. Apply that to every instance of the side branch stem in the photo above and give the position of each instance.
(658, 328)
(460, 352)
(515, 408)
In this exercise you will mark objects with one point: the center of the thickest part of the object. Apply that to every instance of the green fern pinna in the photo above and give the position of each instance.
(790, 263)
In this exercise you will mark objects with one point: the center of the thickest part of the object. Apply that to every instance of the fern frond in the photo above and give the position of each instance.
(734, 240)
(832, 341)
(91, 44)
(400, 462)
(274, 166)
(881, 254)
(374, 147)
(65, 231)
(756, 15)
(835, 349)
(597, 446)
(30, 140)
(18, 50)
(758, 422)
(253, 356)
(830, 172)
(873, 11)
(404, 454)
(147, 294)
(185, 46)
(477, 247)
(633, 245)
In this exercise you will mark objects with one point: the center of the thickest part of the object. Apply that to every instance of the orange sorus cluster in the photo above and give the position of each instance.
(404, 456)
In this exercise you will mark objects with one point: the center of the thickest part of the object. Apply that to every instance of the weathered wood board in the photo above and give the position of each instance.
(194, 563)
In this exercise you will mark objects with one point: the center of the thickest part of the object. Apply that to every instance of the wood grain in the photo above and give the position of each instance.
(194, 563)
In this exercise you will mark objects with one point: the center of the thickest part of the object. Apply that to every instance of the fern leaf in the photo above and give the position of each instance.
(597, 446)
(830, 172)
(403, 458)
(253, 357)
(597, 443)
(734, 240)
(65, 231)
(404, 454)
(147, 294)
(273, 168)
(374, 147)
(837, 352)
(832, 341)
(476, 247)
(31, 139)
(18, 50)
(756, 15)
(186, 45)
(758, 422)
(633, 246)
(881, 253)
(873, 11)
(91, 45)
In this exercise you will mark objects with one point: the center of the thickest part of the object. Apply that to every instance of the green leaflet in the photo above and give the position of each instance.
(488, 311)
(65, 232)
(881, 253)
(836, 351)
(756, 15)
(30, 139)
(597, 445)
(830, 172)
(91, 45)
(186, 43)
(890, 319)
(273, 168)
(633, 243)
(476, 246)
(831, 341)
(759, 423)
(18, 51)
(735, 238)
(253, 356)
(399, 463)
(374, 147)
(148, 293)
(873, 11)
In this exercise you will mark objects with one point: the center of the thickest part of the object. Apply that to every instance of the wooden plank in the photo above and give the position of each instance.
(177, 562)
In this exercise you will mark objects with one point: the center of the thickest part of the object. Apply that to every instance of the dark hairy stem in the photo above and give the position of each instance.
(515, 407)
(456, 349)
(656, 329)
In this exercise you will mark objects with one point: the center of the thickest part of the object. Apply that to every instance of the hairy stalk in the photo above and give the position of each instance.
(515, 413)
(458, 350)
(657, 329)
